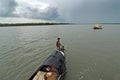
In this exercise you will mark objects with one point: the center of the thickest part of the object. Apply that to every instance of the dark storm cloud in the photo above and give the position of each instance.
(83, 11)
(49, 14)
(7, 7)
(36, 9)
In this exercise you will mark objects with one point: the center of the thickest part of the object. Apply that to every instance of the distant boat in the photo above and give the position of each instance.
(97, 26)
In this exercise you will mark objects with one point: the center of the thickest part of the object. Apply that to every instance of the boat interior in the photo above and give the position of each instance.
(41, 75)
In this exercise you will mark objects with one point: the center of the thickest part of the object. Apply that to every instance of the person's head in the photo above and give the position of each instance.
(58, 39)
(52, 68)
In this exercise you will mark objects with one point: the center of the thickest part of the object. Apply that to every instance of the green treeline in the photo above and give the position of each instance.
(29, 24)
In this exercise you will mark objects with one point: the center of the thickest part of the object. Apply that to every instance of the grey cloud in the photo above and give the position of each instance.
(66, 10)
(7, 7)
(92, 11)
(50, 13)
(28, 11)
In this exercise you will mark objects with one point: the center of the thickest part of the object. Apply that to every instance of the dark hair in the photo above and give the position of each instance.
(58, 38)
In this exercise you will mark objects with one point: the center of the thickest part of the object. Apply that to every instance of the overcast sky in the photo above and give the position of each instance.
(81, 11)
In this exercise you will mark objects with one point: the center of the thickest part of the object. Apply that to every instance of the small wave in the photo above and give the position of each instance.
(5, 54)
(30, 50)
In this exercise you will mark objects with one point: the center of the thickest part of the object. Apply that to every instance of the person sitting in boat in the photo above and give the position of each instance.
(52, 69)
(58, 44)
(48, 75)
(51, 74)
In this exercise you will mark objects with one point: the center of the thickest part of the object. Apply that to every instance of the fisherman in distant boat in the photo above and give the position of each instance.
(58, 44)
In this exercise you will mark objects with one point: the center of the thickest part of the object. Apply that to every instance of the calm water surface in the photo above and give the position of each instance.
(91, 54)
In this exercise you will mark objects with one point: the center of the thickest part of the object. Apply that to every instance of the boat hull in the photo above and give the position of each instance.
(97, 28)
(56, 60)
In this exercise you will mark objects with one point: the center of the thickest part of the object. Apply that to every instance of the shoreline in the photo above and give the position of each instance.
(47, 23)
(30, 24)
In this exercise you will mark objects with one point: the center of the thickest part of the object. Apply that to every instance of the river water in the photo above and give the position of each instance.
(90, 54)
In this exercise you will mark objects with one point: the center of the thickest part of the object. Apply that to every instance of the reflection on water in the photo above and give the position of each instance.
(91, 54)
